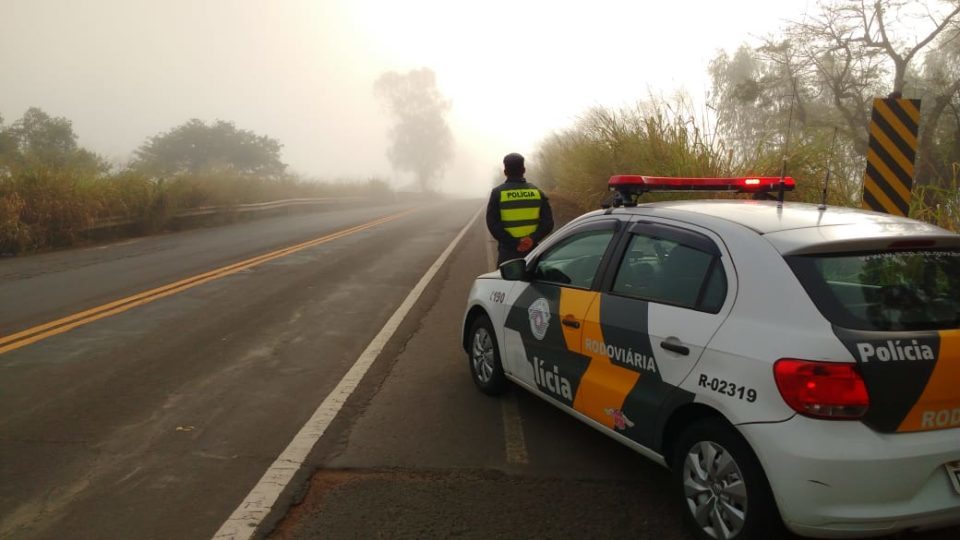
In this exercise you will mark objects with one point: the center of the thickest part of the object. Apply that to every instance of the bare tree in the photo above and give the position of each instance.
(834, 61)
(857, 52)
(939, 141)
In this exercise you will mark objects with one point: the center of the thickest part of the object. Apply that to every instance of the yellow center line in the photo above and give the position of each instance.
(59, 326)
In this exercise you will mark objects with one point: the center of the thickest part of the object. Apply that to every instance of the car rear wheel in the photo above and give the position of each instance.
(485, 358)
(722, 488)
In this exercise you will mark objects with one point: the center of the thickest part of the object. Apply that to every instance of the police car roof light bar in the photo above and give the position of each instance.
(636, 184)
(629, 187)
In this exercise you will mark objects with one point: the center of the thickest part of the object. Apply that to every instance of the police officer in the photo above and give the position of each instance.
(518, 213)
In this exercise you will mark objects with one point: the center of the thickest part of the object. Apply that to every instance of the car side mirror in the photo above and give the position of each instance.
(514, 270)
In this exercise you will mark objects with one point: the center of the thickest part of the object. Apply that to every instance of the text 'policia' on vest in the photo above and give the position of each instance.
(520, 211)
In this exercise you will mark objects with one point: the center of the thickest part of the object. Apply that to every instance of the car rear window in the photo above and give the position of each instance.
(664, 271)
(884, 290)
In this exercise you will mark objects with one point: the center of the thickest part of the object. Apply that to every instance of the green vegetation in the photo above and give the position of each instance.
(813, 83)
(938, 205)
(52, 191)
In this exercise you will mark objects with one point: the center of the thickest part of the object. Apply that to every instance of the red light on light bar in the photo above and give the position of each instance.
(747, 184)
(905, 244)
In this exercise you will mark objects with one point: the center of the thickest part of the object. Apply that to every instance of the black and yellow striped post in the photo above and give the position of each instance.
(890, 155)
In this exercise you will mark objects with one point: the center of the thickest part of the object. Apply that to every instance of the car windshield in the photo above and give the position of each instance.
(898, 290)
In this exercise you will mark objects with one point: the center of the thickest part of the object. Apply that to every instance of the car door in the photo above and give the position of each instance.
(543, 327)
(664, 296)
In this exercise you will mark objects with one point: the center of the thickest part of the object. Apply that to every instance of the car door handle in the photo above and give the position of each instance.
(571, 322)
(675, 347)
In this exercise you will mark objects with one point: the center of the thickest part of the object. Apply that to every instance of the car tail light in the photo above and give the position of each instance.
(822, 389)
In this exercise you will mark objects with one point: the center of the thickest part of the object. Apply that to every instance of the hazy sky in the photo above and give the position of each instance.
(302, 70)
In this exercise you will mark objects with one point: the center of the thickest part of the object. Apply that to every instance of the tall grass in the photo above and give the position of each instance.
(669, 139)
(44, 206)
(938, 205)
(648, 139)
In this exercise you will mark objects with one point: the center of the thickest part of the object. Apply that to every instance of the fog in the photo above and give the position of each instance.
(303, 71)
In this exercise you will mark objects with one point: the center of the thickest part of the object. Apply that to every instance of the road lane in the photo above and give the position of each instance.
(156, 422)
(43, 331)
(262, 499)
(41, 288)
(426, 455)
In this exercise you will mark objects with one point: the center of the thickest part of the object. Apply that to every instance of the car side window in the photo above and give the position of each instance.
(574, 260)
(670, 272)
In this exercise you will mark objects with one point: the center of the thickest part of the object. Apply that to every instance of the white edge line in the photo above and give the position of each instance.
(243, 522)
(514, 443)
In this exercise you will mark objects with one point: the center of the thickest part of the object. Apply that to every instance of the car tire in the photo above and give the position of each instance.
(484, 358)
(720, 484)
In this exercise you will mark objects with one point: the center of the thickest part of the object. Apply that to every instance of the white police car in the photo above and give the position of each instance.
(793, 362)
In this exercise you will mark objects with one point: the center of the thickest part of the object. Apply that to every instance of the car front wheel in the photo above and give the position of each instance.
(721, 485)
(485, 358)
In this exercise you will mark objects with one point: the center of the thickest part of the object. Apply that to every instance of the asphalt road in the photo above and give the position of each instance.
(423, 454)
(157, 421)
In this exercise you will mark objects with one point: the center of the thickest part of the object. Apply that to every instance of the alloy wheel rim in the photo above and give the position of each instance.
(715, 491)
(482, 355)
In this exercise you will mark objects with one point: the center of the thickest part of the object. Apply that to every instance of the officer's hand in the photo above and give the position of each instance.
(525, 244)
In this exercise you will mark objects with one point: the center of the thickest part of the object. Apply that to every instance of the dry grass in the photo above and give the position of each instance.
(669, 140)
(938, 205)
(44, 207)
(578, 162)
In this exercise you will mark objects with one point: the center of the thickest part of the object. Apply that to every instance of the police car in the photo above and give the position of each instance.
(792, 364)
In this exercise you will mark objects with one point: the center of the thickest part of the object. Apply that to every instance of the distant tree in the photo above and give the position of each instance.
(8, 144)
(47, 138)
(40, 139)
(197, 147)
(420, 141)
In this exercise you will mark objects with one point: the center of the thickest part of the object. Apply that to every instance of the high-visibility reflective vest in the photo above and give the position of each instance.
(520, 211)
